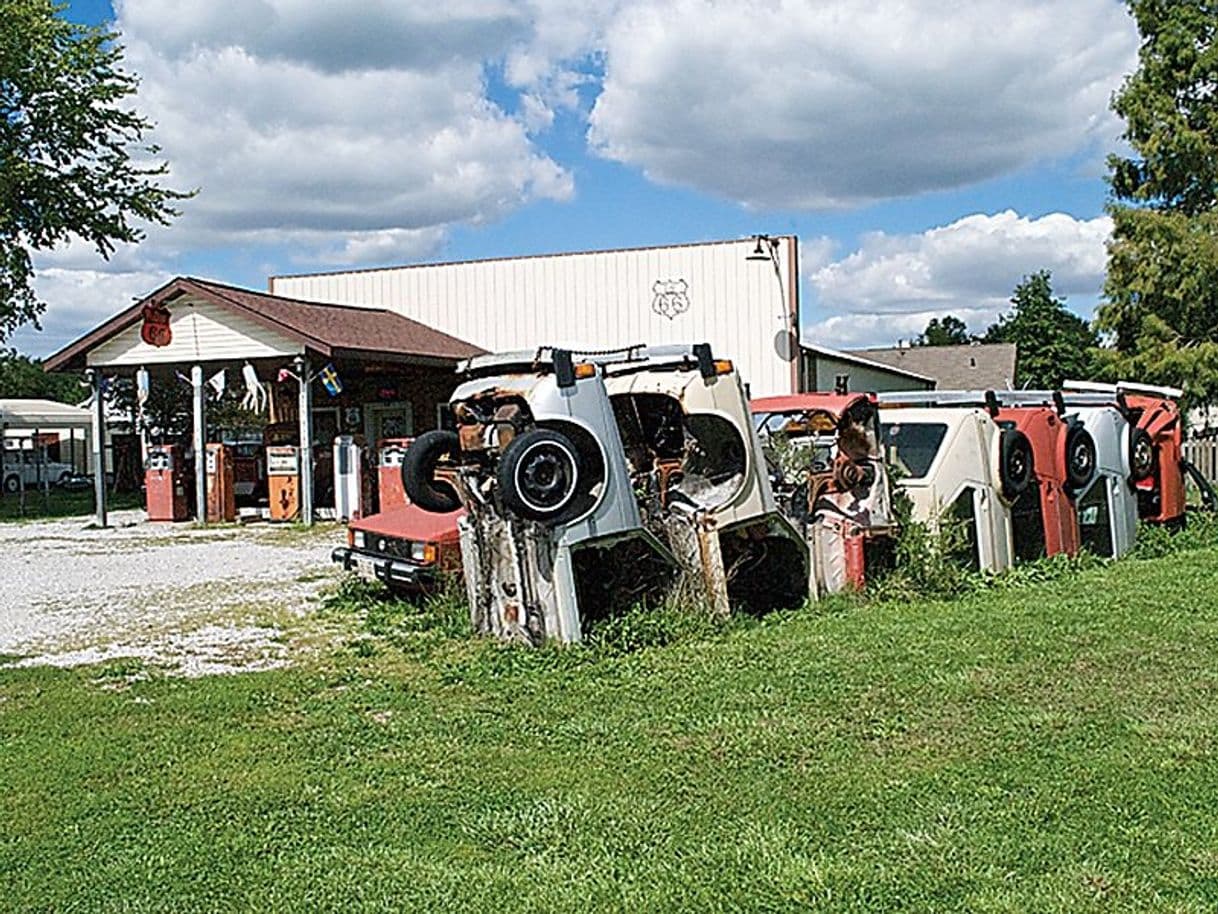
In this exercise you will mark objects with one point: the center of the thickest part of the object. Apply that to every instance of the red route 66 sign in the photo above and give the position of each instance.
(155, 331)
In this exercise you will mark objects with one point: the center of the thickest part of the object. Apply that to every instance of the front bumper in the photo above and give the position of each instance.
(394, 572)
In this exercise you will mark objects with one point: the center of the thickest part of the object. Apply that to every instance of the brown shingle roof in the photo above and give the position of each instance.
(973, 366)
(326, 329)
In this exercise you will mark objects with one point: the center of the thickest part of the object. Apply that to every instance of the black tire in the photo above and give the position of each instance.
(539, 476)
(1141, 454)
(12, 484)
(419, 471)
(1080, 459)
(1015, 464)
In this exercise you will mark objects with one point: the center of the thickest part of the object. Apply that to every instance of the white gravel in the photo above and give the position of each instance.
(184, 598)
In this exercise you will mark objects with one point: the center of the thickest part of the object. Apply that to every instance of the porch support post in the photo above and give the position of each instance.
(99, 445)
(199, 443)
(304, 371)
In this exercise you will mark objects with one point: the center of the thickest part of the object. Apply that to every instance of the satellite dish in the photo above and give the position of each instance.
(785, 345)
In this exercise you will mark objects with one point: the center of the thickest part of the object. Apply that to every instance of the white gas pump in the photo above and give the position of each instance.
(348, 478)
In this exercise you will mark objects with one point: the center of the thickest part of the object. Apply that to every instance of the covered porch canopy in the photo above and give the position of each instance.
(198, 326)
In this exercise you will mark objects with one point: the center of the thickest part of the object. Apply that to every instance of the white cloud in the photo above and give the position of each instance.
(800, 105)
(893, 284)
(82, 298)
(352, 118)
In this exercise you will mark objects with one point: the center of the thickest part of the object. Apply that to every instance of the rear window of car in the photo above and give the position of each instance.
(912, 446)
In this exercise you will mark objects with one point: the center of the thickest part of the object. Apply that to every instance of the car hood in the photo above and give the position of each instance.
(411, 522)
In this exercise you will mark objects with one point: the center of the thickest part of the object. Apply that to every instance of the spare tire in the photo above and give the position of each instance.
(1080, 459)
(1015, 464)
(539, 476)
(1141, 454)
(419, 471)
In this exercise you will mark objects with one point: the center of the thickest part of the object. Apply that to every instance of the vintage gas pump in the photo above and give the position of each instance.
(221, 490)
(352, 494)
(165, 484)
(283, 481)
(389, 472)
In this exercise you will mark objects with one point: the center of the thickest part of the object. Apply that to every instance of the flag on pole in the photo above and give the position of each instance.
(330, 380)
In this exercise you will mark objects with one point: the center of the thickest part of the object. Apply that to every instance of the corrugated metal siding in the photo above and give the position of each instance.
(590, 301)
(201, 332)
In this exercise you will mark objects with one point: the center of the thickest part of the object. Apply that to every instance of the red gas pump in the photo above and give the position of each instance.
(221, 490)
(165, 484)
(390, 452)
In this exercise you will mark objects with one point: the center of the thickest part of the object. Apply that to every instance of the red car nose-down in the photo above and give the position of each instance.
(1044, 519)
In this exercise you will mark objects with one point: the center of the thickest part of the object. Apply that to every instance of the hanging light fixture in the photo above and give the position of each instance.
(758, 253)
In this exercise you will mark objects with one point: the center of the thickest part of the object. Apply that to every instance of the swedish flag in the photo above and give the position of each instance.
(330, 380)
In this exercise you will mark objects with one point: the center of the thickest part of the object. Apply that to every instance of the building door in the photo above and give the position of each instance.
(388, 420)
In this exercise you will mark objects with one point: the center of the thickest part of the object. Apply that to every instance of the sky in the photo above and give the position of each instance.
(928, 154)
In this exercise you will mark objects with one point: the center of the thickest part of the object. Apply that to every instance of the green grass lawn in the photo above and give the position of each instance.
(60, 503)
(1050, 747)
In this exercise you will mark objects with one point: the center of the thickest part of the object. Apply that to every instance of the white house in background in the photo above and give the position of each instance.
(741, 296)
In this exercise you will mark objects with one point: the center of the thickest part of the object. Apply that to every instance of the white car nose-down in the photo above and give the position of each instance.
(700, 473)
(948, 462)
(552, 526)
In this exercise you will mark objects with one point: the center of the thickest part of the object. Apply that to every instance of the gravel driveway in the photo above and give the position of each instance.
(193, 601)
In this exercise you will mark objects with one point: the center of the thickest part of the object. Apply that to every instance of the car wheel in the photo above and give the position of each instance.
(1016, 466)
(539, 476)
(1080, 458)
(1141, 454)
(419, 471)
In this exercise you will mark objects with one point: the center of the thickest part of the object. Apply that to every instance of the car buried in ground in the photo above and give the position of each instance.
(961, 471)
(1157, 464)
(552, 529)
(828, 473)
(699, 474)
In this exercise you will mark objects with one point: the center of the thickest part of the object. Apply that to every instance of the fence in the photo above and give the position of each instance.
(1203, 454)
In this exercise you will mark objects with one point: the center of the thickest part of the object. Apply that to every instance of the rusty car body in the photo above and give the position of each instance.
(700, 476)
(552, 530)
(828, 472)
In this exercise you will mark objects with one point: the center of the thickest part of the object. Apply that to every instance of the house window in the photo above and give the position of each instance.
(841, 384)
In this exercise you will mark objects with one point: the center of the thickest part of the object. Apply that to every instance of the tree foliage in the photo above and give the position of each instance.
(1161, 293)
(1051, 343)
(948, 331)
(22, 377)
(74, 162)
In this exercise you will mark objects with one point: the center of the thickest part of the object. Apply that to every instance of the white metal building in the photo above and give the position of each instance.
(741, 296)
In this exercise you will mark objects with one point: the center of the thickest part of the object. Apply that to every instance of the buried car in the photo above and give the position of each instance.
(1156, 442)
(1107, 506)
(961, 471)
(552, 529)
(828, 472)
(700, 477)
(1060, 461)
(405, 547)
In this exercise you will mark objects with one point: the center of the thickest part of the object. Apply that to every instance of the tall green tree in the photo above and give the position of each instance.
(948, 331)
(1051, 343)
(74, 162)
(1161, 293)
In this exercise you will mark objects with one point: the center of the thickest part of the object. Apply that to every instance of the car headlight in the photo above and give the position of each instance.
(358, 539)
(418, 552)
